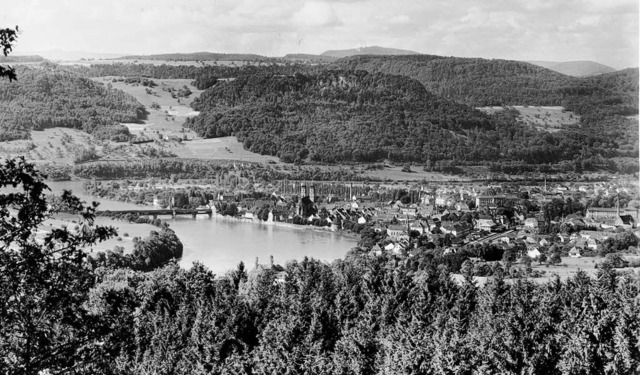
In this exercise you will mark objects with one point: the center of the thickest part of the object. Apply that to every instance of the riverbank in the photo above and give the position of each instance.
(124, 239)
(220, 243)
(280, 224)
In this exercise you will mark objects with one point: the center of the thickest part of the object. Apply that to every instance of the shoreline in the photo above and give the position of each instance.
(216, 216)
(281, 224)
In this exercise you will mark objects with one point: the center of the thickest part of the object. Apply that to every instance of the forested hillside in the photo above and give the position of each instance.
(333, 116)
(306, 112)
(480, 82)
(48, 96)
(337, 116)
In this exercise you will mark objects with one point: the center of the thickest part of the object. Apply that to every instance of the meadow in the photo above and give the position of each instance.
(543, 118)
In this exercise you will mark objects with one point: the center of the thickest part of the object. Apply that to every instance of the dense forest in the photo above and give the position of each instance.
(65, 311)
(342, 116)
(481, 82)
(604, 102)
(47, 96)
(365, 315)
(332, 116)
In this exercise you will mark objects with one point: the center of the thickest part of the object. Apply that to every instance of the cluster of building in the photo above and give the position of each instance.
(461, 215)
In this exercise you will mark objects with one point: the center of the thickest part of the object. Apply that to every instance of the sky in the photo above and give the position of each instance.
(605, 31)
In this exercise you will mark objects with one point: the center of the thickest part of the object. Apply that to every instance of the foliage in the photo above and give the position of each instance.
(8, 36)
(363, 314)
(602, 101)
(49, 96)
(154, 251)
(86, 154)
(482, 82)
(214, 169)
(618, 243)
(333, 116)
(44, 281)
(354, 116)
(366, 315)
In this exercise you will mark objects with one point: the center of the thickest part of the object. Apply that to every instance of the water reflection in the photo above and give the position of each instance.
(220, 244)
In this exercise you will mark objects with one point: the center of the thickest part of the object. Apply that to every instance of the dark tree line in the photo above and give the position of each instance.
(364, 315)
(211, 169)
(342, 116)
(149, 253)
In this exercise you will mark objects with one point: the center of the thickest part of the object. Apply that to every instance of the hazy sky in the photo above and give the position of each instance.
(558, 30)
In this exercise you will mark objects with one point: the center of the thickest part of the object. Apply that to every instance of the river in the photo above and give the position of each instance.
(220, 244)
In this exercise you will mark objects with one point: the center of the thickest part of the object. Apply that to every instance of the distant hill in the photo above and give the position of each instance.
(575, 68)
(202, 56)
(481, 82)
(373, 50)
(62, 55)
(309, 57)
(472, 81)
(544, 64)
(604, 101)
(21, 59)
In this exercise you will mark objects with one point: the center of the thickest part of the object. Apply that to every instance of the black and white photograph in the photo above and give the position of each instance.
(366, 187)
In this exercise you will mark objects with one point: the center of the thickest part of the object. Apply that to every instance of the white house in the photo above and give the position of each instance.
(533, 253)
(531, 223)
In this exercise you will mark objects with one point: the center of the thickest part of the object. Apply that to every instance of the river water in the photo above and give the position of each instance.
(220, 243)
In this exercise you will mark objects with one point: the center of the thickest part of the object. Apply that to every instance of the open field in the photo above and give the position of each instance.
(166, 113)
(58, 146)
(225, 148)
(395, 173)
(570, 266)
(550, 119)
(61, 146)
(567, 269)
(169, 118)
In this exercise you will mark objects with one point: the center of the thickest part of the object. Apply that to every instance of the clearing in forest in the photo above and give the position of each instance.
(543, 118)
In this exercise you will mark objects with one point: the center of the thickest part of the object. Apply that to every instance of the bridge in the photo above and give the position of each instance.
(155, 213)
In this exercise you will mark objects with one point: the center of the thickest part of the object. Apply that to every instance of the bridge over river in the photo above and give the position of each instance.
(155, 213)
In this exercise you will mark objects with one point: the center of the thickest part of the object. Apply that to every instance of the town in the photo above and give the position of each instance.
(570, 219)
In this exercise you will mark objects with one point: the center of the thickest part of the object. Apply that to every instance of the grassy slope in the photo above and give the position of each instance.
(551, 119)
